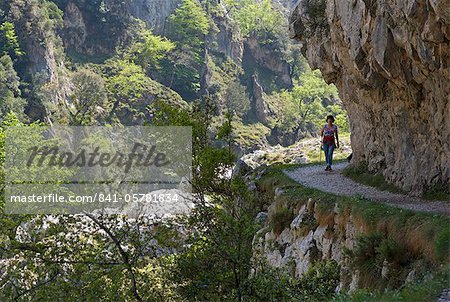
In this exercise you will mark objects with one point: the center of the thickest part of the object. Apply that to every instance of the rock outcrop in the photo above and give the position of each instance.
(264, 57)
(153, 12)
(391, 63)
(298, 232)
(94, 30)
(259, 106)
(304, 242)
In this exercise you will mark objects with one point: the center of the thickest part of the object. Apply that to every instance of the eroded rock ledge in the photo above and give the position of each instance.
(390, 60)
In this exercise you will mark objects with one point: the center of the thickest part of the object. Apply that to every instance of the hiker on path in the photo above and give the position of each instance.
(330, 140)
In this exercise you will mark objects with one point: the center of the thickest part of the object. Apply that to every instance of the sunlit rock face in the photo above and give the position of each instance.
(153, 12)
(390, 60)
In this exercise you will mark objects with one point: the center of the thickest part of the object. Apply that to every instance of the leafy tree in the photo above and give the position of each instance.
(237, 100)
(88, 97)
(125, 80)
(256, 16)
(9, 41)
(132, 92)
(9, 88)
(309, 94)
(188, 26)
(148, 50)
(303, 106)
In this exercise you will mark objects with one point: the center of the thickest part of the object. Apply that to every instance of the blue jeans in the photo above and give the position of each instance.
(328, 149)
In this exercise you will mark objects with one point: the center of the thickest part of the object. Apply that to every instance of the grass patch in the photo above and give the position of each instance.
(360, 174)
(371, 252)
(427, 289)
(438, 192)
(251, 135)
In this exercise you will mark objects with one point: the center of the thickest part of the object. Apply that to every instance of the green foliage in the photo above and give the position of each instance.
(215, 263)
(317, 284)
(237, 100)
(271, 284)
(309, 95)
(428, 288)
(320, 281)
(256, 16)
(216, 266)
(147, 50)
(125, 80)
(9, 41)
(131, 92)
(189, 24)
(8, 120)
(10, 99)
(303, 106)
(88, 97)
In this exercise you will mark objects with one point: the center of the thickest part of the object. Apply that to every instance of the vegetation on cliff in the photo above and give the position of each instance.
(227, 70)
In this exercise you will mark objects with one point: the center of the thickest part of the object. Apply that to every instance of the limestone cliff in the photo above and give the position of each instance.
(390, 60)
(375, 245)
(153, 12)
(94, 29)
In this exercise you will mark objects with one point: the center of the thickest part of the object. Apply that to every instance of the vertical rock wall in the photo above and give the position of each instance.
(390, 60)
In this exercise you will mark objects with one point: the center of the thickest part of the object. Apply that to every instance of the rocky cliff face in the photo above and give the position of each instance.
(153, 12)
(372, 246)
(304, 242)
(94, 29)
(390, 60)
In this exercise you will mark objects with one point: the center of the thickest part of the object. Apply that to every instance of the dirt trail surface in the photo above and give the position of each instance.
(336, 183)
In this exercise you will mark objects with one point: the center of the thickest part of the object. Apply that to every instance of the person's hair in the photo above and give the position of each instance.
(330, 117)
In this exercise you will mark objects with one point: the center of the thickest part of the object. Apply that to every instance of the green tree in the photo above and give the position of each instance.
(10, 99)
(189, 24)
(308, 97)
(188, 27)
(125, 80)
(237, 100)
(9, 41)
(304, 105)
(148, 50)
(88, 97)
(256, 16)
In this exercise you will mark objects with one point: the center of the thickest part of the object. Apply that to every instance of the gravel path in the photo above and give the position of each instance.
(335, 182)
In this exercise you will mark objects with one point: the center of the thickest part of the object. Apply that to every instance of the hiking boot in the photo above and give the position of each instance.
(327, 168)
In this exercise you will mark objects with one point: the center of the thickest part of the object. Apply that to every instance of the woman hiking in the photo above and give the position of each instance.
(329, 141)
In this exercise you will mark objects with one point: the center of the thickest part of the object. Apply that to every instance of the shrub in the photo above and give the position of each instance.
(320, 281)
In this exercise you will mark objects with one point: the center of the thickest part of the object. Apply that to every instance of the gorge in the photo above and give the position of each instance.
(253, 80)
(391, 63)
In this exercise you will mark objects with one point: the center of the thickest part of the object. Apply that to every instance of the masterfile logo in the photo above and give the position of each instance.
(88, 167)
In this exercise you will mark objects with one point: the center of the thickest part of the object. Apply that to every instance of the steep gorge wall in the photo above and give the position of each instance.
(374, 245)
(390, 60)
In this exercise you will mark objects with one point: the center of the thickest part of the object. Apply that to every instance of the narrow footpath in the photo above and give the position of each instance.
(335, 182)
